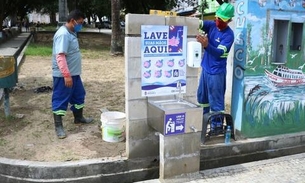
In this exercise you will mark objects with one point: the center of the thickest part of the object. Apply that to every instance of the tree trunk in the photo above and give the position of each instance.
(62, 11)
(88, 16)
(53, 18)
(1, 15)
(116, 40)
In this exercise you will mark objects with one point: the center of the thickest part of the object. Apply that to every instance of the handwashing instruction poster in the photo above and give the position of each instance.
(163, 59)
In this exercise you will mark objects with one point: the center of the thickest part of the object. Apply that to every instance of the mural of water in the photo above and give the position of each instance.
(269, 109)
(269, 35)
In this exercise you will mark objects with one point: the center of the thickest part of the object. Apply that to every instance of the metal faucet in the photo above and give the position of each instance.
(179, 87)
(193, 128)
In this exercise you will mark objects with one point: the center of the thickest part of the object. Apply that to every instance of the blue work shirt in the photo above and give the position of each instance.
(214, 60)
(65, 41)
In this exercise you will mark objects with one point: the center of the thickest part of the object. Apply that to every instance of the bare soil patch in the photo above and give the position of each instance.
(32, 137)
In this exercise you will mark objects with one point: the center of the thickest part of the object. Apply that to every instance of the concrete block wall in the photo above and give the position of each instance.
(142, 140)
(179, 155)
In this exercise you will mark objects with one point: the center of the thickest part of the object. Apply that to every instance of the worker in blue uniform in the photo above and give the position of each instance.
(66, 65)
(216, 40)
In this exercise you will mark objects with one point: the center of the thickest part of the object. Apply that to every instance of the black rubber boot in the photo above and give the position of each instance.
(79, 118)
(59, 129)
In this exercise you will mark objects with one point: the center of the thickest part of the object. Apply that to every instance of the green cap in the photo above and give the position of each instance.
(225, 11)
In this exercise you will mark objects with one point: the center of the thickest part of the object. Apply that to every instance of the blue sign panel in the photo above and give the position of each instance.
(174, 124)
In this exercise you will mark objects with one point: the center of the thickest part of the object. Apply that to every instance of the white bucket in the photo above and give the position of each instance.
(113, 126)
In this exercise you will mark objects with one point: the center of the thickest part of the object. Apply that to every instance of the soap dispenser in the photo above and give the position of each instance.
(194, 54)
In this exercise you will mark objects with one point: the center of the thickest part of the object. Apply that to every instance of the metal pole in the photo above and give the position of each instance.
(7, 111)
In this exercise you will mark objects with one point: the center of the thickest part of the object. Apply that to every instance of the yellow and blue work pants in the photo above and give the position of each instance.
(63, 95)
(211, 93)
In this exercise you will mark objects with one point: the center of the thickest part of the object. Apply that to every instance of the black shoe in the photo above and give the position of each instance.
(59, 129)
(79, 118)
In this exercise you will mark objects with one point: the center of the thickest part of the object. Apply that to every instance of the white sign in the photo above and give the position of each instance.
(163, 55)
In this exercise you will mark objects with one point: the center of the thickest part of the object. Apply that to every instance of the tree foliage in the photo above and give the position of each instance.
(92, 8)
(19, 9)
(50, 8)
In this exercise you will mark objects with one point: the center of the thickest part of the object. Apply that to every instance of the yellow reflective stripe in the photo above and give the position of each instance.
(79, 106)
(60, 112)
(204, 105)
(225, 54)
(222, 48)
(217, 111)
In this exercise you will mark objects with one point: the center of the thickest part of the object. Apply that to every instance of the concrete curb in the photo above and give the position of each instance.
(125, 170)
(84, 171)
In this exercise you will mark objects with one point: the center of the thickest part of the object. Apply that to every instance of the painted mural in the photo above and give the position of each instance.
(269, 67)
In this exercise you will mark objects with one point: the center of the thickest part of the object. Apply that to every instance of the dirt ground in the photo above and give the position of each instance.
(29, 133)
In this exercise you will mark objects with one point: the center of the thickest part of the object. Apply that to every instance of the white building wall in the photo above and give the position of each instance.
(42, 18)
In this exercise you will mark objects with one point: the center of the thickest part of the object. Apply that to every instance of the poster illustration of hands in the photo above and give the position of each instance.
(163, 59)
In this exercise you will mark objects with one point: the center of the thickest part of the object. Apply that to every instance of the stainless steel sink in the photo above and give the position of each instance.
(185, 116)
(174, 104)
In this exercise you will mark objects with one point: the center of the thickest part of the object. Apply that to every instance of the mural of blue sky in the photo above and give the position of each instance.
(257, 14)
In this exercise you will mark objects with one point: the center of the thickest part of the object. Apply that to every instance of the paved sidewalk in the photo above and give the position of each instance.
(287, 169)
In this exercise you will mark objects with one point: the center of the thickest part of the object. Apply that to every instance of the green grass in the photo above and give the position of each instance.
(49, 28)
(38, 50)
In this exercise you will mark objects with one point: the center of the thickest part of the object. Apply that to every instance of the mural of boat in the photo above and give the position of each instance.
(283, 76)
